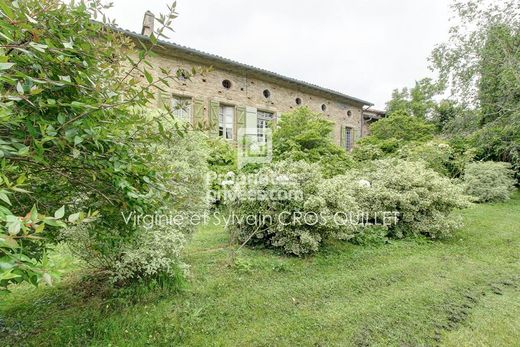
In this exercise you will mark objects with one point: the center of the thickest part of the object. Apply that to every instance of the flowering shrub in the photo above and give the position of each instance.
(291, 209)
(489, 181)
(154, 249)
(424, 199)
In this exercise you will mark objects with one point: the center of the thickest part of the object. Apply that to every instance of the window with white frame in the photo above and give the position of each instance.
(181, 107)
(262, 123)
(348, 139)
(225, 121)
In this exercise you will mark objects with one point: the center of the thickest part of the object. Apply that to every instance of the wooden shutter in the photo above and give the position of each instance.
(333, 133)
(356, 135)
(251, 120)
(240, 120)
(274, 122)
(213, 113)
(162, 99)
(198, 113)
(342, 137)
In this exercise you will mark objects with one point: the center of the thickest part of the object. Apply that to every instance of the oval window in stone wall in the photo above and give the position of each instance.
(324, 107)
(226, 84)
(349, 113)
(267, 94)
(298, 101)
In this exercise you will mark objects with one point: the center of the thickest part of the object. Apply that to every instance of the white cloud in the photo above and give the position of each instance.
(361, 48)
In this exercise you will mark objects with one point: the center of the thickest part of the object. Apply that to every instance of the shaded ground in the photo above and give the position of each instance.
(460, 292)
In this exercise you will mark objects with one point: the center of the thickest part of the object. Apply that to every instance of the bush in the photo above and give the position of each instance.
(276, 196)
(424, 199)
(438, 155)
(489, 181)
(154, 247)
(75, 128)
(389, 134)
(305, 135)
(222, 163)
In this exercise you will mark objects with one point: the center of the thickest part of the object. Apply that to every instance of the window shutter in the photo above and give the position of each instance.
(251, 121)
(333, 133)
(274, 122)
(162, 99)
(356, 135)
(342, 137)
(214, 110)
(198, 112)
(240, 120)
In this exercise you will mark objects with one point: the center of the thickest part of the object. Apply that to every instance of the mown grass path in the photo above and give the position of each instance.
(461, 292)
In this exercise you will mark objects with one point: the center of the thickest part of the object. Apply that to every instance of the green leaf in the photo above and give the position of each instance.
(148, 76)
(54, 223)
(39, 228)
(5, 66)
(4, 276)
(9, 242)
(74, 217)
(19, 88)
(5, 198)
(60, 213)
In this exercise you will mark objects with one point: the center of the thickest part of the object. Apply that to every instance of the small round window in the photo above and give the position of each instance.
(324, 107)
(298, 101)
(267, 93)
(349, 113)
(226, 84)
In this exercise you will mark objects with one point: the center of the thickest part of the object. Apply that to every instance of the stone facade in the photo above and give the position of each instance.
(246, 90)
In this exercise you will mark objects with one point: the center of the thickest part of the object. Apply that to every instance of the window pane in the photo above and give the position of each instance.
(181, 107)
(226, 119)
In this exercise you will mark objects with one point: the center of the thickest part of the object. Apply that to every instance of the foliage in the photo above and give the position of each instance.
(160, 235)
(424, 199)
(277, 201)
(222, 163)
(418, 101)
(392, 132)
(480, 63)
(444, 158)
(73, 120)
(489, 181)
(17, 264)
(421, 287)
(402, 127)
(304, 135)
(366, 151)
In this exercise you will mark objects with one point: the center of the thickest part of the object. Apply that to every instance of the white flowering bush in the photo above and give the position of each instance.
(154, 248)
(423, 199)
(489, 181)
(287, 206)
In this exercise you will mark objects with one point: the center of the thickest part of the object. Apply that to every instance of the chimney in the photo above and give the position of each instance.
(148, 23)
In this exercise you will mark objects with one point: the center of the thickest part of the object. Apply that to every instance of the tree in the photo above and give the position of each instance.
(417, 101)
(304, 135)
(389, 134)
(74, 125)
(480, 63)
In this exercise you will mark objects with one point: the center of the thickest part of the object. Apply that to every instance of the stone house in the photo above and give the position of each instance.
(237, 95)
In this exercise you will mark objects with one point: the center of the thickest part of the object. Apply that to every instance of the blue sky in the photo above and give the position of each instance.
(365, 48)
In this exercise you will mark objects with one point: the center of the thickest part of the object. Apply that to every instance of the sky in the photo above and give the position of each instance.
(363, 48)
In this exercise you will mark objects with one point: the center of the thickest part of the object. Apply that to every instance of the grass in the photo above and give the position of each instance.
(461, 292)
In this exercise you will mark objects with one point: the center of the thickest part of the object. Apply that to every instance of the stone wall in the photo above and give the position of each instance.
(248, 91)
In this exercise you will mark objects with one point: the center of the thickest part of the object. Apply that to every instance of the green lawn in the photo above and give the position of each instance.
(460, 292)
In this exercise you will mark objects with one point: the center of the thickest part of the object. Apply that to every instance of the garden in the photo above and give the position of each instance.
(124, 225)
